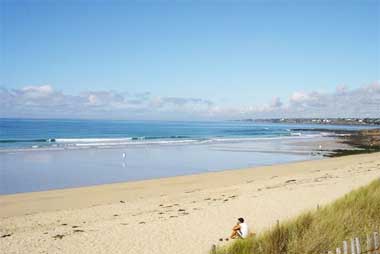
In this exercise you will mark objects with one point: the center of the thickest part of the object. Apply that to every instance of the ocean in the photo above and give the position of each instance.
(38, 154)
(71, 134)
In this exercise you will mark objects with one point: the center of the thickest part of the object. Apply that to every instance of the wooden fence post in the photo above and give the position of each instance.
(376, 242)
(358, 247)
(213, 249)
(373, 245)
(353, 246)
(369, 244)
(345, 247)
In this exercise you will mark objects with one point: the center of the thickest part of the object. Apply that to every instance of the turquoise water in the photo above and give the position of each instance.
(37, 155)
(32, 133)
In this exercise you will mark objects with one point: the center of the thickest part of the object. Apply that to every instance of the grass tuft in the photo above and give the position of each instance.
(318, 231)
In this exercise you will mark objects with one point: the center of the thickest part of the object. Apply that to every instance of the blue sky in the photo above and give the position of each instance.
(232, 55)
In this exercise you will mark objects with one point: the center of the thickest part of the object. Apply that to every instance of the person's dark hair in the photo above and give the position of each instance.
(241, 220)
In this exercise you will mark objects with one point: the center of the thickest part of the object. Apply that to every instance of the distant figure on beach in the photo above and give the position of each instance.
(240, 230)
(123, 164)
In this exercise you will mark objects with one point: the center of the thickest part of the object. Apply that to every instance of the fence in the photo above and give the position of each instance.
(354, 246)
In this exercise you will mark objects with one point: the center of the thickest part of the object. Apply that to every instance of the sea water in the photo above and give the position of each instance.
(38, 154)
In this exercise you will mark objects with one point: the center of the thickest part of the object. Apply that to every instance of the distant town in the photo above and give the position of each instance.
(329, 121)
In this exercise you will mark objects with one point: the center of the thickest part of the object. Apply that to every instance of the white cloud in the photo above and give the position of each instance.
(45, 101)
(37, 91)
(299, 97)
(342, 89)
(276, 103)
(344, 102)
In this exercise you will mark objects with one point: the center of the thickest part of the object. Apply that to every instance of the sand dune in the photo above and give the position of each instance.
(179, 215)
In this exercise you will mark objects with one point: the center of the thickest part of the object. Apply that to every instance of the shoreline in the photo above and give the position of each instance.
(205, 173)
(364, 141)
(170, 212)
(117, 185)
(351, 145)
(47, 170)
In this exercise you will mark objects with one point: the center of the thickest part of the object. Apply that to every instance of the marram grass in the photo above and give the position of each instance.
(355, 214)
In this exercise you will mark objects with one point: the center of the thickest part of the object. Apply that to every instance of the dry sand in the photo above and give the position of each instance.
(179, 215)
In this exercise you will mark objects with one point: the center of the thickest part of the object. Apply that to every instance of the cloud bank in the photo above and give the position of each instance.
(344, 102)
(46, 102)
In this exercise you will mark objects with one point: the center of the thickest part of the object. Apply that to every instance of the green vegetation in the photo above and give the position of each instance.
(355, 214)
(361, 150)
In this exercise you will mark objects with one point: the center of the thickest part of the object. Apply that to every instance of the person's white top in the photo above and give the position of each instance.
(243, 230)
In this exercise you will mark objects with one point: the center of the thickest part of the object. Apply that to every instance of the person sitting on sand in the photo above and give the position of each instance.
(240, 230)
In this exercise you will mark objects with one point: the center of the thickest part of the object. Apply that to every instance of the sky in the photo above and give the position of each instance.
(181, 60)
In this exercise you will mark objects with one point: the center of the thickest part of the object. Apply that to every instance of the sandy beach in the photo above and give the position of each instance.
(182, 215)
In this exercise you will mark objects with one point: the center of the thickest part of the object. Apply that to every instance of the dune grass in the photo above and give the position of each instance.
(355, 214)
